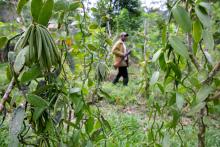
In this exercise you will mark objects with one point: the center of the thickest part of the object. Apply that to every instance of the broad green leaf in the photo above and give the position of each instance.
(179, 101)
(161, 87)
(11, 56)
(46, 12)
(109, 42)
(179, 47)
(32, 73)
(197, 31)
(203, 17)
(37, 101)
(150, 135)
(176, 70)
(176, 116)
(77, 100)
(60, 5)
(195, 47)
(208, 39)
(156, 55)
(15, 126)
(205, 5)
(36, 6)
(90, 82)
(19, 61)
(38, 112)
(182, 18)
(3, 41)
(154, 78)
(91, 47)
(96, 135)
(21, 4)
(73, 6)
(89, 124)
(162, 62)
(78, 36)
(209, 57)
(203, 93)
(74, 90)
(94, 10)
(50, 127)
(196, 108)
(106, 124)
(93, 26)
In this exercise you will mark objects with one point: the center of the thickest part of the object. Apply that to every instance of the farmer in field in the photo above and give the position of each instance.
(121, 59)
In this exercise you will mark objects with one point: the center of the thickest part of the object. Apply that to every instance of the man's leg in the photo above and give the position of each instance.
(117, 76)
(125, 76)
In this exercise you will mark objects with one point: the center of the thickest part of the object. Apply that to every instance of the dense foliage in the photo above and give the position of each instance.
(56, 74)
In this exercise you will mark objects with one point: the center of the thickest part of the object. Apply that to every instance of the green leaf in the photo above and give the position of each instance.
(106, 124)
(3, 41)
(154, 78)
(93, 26)
(74, 6)
(182, 18)
(38, 112)
(78, 36)
(179, 47)
(21, 4)
(36, 6)
(32, 73)
(37, 101)
(205, 5)
(209, 57)
(109, 42)
(203, 93)
(203, 17)
(161, 87)
(156, 55)
(208, 39)
(197, 31)
(94, 10)
(179, 101)
(89, 124)
(75, 90)
(176, 70)
(91, 47)
(196, 108)
(15, 126)
(46, 12)
(162, 62)
(19, 61)
(96, 136)
(60, 5)
(176, 116)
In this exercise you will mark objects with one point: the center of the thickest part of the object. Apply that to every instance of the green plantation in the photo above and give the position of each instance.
(60, 59)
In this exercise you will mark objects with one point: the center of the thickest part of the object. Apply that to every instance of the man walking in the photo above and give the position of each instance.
(121, 59)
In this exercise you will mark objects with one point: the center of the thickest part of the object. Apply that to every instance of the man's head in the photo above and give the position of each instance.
(124, 36)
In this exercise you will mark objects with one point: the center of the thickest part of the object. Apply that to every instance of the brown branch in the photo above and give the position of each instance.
(6, 95)
(202, 129)
(214, 96)
(214, 71)
(193, 59)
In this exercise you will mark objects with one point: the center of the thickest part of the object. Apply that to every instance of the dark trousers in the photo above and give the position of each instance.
(122, 71)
